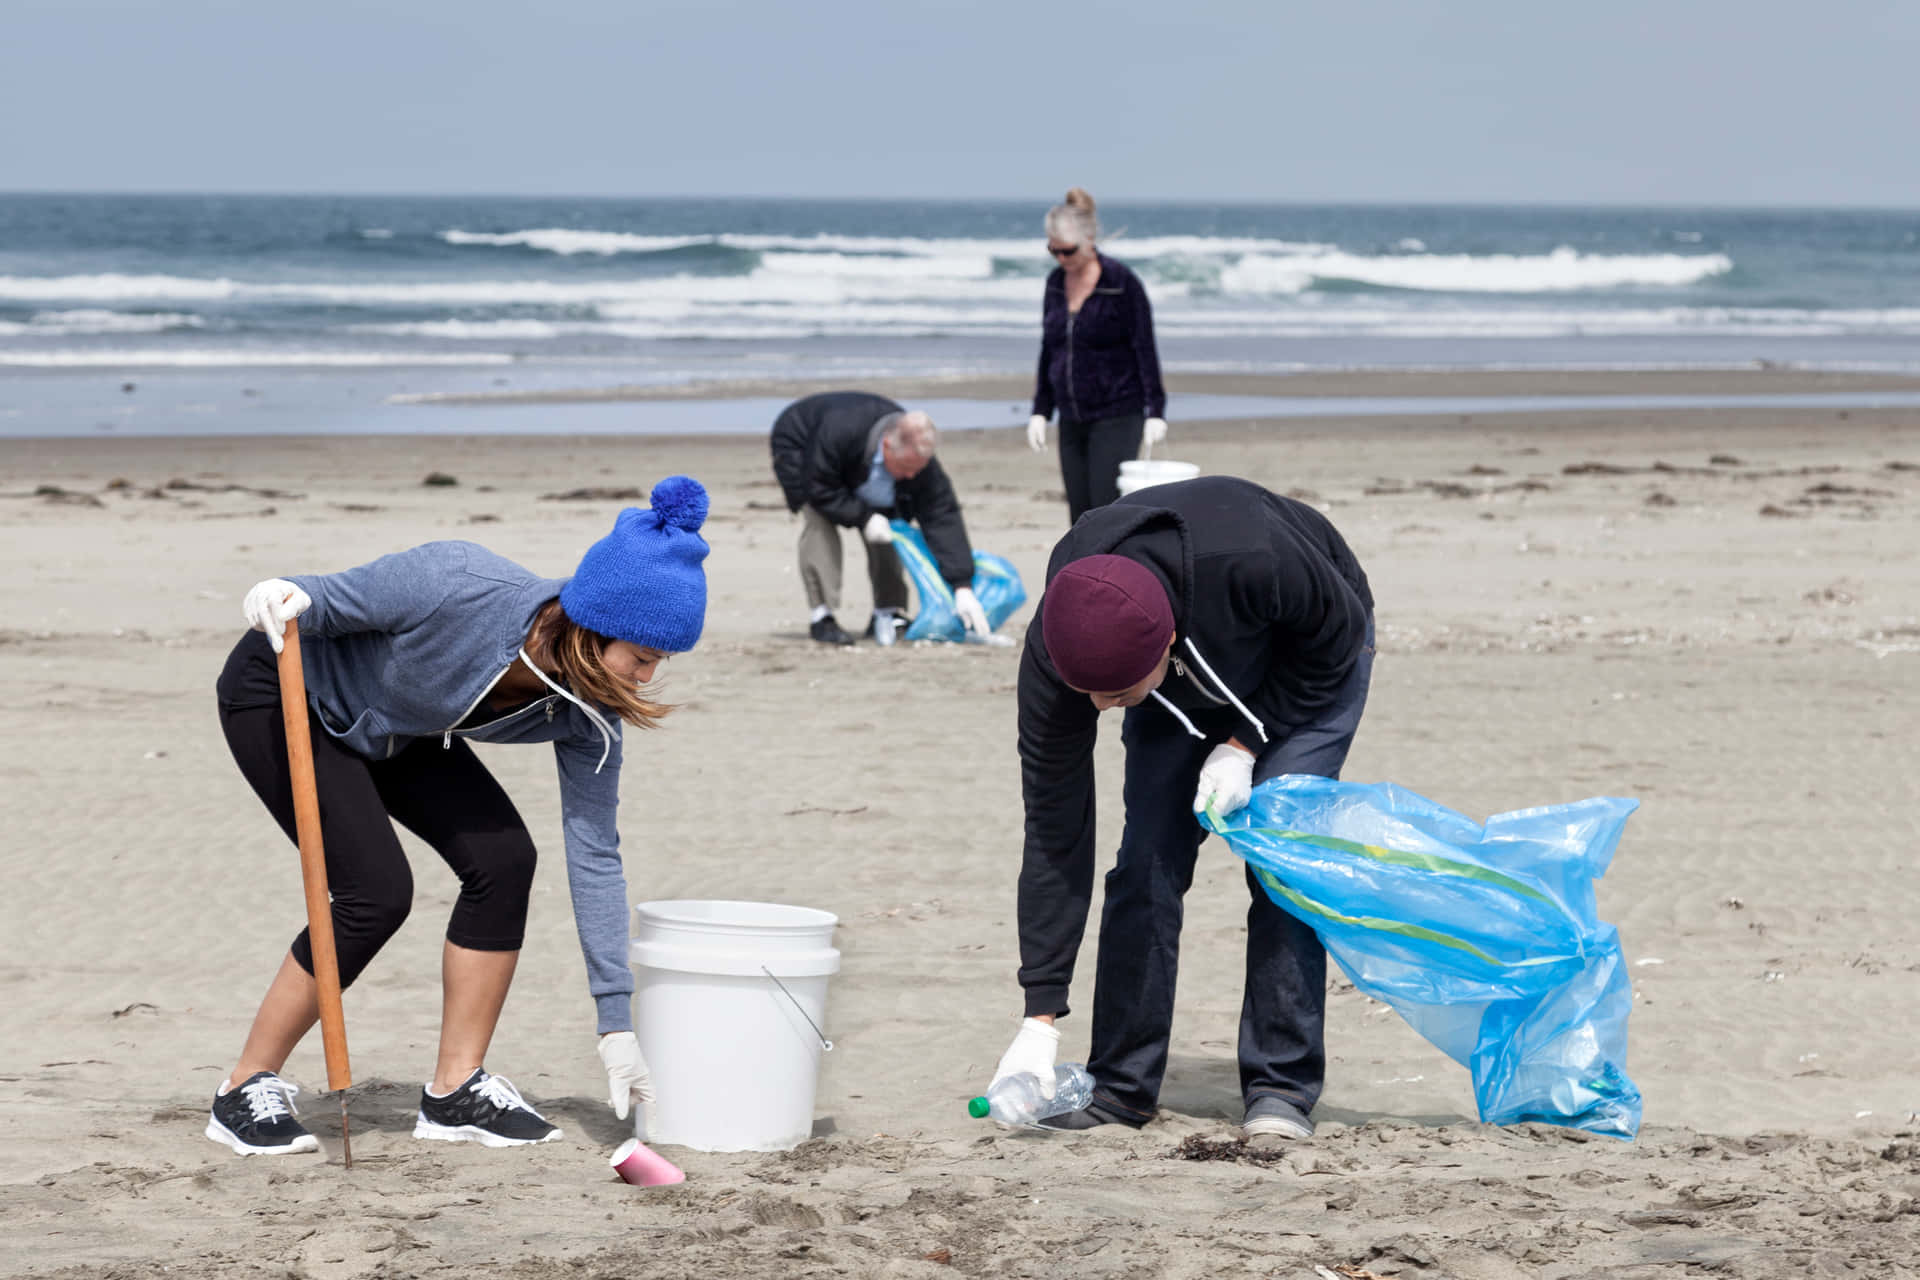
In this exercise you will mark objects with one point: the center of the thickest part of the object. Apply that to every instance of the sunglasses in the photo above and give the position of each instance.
(1067, 252)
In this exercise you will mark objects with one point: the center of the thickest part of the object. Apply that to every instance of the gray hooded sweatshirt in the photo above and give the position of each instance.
(407, 646)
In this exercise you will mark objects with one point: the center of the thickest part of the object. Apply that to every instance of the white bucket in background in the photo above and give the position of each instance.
(734, 1057)
(1139, 473)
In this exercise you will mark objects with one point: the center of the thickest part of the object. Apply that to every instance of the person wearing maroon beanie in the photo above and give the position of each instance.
(1234, 627)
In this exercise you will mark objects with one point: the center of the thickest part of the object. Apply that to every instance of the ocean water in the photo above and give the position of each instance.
(204, 293)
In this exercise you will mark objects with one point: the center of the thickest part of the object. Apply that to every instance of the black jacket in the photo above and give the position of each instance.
(1100, 363)
(823, 452)
(1266, 596)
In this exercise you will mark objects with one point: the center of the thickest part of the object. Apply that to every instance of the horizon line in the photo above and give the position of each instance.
(1108, 201)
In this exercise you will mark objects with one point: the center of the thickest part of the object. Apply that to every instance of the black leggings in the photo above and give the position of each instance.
(443, 795)
(1090, 458)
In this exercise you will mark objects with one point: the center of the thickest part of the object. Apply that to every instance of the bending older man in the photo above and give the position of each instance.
(848, 459)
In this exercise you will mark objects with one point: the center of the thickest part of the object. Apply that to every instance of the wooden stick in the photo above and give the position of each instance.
(313, 872)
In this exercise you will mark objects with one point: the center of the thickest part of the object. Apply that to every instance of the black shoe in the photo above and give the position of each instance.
(827, 631)
(486, 1109)
(256, 1119)
(1091, 1116)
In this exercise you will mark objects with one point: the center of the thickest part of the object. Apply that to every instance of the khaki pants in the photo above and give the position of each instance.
(820, 566)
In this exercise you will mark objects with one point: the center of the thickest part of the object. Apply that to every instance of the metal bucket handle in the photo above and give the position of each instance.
(826, 1045)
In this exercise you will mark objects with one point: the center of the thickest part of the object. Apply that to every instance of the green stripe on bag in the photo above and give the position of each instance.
(1272, 882)
(1401, 858)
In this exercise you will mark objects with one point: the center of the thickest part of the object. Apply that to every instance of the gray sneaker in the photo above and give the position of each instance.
(1269, 1116)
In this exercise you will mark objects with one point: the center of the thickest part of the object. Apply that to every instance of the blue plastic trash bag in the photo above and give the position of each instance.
(1485, 939)
(995, 582)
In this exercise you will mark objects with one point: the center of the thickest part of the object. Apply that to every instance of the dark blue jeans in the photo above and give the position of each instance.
(1283, 1012)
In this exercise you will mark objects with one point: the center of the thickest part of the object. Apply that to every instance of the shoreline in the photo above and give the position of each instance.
(1329, 383)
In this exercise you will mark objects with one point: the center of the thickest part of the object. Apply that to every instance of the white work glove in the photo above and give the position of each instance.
(270, 605)
(1032, 1051)
(628, 1080)
(967, 606)
(1037, 433)
(1156, 431)
(1226, 780)
(878, 530)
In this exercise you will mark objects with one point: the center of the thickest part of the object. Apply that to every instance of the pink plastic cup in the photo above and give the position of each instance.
(638, 1165)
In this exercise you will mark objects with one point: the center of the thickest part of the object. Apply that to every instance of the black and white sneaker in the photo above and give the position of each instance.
(486, 1109)
(256, 1119)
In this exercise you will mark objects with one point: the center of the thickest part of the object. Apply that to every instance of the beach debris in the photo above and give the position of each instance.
(179, 485)
(942, 1256)
(357, 508)
(1197, 1146)
(56, 496)
(1898, 465)
(1733, 902)
(154, 755)
(1842, 592)
(1774, 975)
(136, 1005)
(483, 517)
(814, 808)
(1723, 460)
(597, 493)
(127, 387)
(1780, 512)
(1346, 1271)
(1595, 469)
(1659, 498)
(1643, 960)
(439, 480)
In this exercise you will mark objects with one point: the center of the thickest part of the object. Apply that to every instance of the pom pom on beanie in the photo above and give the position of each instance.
(1106, 621)
(644, 582)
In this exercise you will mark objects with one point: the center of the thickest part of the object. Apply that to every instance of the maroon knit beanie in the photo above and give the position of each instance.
(1106, 621)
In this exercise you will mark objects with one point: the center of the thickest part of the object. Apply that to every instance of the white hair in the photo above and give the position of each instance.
(914, 432)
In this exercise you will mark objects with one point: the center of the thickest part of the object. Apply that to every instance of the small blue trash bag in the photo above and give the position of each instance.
(1485, 939)
(995, 582)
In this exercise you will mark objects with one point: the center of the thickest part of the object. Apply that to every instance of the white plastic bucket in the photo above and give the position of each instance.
(728, 1001)
(1139, 473)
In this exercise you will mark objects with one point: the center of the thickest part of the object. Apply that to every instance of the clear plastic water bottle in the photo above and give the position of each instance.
(1018, 1102)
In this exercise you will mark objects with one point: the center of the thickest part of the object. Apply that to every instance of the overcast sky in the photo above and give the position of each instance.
(1634, 101)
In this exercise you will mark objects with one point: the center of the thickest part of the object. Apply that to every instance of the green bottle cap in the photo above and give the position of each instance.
(979, 1108)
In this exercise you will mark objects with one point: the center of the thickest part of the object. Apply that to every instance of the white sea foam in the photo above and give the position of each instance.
(1562, 271)
(112, 288)
(44, 324)
(218, 358)
(563, 241)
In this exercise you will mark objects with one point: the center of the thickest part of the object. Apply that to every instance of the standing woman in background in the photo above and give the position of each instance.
(1098, 365)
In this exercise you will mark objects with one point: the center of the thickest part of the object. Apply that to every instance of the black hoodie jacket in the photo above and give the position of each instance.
(1270, 612)
(823, 452)
(1100, 362)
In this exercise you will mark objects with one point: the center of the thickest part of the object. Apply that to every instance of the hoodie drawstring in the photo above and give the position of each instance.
(1178, 715)
(606, 734)
(1220, 684)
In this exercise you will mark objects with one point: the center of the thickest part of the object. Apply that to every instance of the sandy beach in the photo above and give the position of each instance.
(1716, 612)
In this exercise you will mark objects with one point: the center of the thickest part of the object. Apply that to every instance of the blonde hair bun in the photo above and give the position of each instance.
(1077, 198)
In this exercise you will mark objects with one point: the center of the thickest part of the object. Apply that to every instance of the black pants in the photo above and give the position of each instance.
(1283, 1010)
(1090, 458)
(443, 795)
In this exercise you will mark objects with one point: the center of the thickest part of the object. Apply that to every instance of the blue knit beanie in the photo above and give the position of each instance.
(643, 582)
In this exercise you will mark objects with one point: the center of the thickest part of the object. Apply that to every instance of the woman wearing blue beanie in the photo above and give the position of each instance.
(406, 658)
